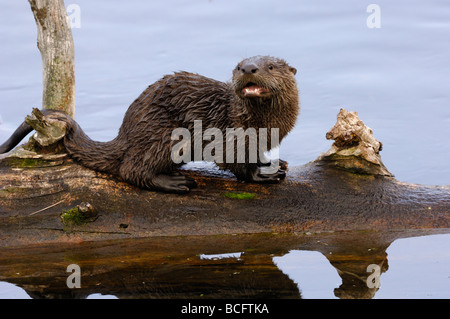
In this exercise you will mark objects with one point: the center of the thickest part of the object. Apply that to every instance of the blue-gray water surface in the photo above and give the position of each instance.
(396, 76)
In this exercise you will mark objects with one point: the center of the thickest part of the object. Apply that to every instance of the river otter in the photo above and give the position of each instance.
(263, 94)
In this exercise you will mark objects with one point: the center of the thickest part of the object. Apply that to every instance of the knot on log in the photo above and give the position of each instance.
(79, 215)
(48, 130)
(354, 148)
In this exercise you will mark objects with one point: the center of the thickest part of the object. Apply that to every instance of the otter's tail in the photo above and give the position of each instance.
(16, 137)
(100, 156)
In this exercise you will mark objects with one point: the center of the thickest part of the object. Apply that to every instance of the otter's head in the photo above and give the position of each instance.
(263, 77)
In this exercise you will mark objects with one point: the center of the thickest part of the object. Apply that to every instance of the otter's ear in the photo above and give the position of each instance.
(293, 70)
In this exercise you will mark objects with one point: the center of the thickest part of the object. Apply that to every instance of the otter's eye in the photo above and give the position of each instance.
(238, 68)
(270, 67)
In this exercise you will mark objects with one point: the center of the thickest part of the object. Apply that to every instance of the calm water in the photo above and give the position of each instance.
(318, 266)
(396, 77)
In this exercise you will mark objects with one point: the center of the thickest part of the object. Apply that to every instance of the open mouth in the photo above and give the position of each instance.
(253, 90)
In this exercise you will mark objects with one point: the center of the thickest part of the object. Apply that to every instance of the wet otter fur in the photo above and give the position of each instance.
(263, 93)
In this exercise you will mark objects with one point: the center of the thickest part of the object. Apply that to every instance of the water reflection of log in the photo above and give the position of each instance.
(351, 255)
(174, 268)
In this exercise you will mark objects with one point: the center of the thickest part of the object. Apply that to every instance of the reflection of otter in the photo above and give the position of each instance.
(262, 94)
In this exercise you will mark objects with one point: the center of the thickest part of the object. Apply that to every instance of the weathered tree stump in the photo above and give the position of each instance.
(55, 43)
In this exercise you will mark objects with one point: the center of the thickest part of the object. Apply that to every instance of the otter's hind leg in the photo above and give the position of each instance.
(152, 167)
(174, 183)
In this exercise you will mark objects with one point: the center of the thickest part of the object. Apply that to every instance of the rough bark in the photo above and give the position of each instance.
(354, 148)
(320, 196)
(55, 43)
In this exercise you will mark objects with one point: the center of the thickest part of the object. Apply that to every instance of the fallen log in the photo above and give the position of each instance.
(348, 188)
(47, 197)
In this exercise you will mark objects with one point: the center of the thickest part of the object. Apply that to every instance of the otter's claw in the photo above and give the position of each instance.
(258, 176)
(283, 165)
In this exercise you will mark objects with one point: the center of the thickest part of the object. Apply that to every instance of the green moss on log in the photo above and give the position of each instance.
(79, 215)
(242, 195)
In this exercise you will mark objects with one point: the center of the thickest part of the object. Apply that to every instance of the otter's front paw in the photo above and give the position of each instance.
(267, 175)
(280, 164)
(283, 165)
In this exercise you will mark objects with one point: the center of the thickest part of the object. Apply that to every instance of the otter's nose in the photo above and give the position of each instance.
(248, 68)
